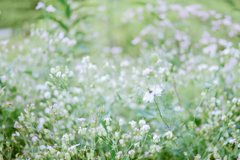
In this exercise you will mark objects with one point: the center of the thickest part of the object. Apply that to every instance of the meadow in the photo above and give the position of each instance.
(122, 80)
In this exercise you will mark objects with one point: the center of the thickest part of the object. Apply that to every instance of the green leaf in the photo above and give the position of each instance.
(59, 22)
(119, 96)
(146, 114)
(63, 2)
(28, 72)
(78, 20)
(68, 11)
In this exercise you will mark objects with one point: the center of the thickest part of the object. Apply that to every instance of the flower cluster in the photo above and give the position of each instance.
(68, 94)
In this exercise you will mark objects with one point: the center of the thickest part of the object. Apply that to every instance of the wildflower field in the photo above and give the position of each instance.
(123, 80)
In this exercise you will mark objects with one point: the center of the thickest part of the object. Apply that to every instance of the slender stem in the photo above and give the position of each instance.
(161, 114)
(175, 89)
(199, 106)
(164, 120)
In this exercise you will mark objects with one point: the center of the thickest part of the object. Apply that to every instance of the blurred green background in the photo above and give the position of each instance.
(18, 14)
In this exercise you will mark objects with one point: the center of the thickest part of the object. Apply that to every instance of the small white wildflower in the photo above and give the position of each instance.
(35, 138)
(146, 71)
(158, 149)
(145, 128)
(153, 148)
(131, 152)
(234, 100)
(203, 94)
(136, 40)
(65, 137)
(133, 124)
(48, 84)
(107, 121)
(121, 141)
(50, 8)
(58, 74)
(137, 145)
(67, 156)
(149, 95)
(117, 135)
(40, 5)
(142, 122)
(3, 78)
(81, 119)
(121, 121)
(86, 60)
(82, 131)
(109, 129)
(102, 131)
(156, 138)
(118, 156)
(47, 95)
(169, 134)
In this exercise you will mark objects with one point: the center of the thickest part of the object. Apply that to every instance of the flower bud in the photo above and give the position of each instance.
(58, 74)
(93, 123)
(154, 58)
(225, 157)
(67, 156)
(169, 135)
(100, 141)
(121, 121)
(102, 110)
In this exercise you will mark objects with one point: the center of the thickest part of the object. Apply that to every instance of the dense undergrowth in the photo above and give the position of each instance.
(142, 83)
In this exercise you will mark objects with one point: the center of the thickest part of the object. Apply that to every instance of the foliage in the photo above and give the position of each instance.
(153, 88)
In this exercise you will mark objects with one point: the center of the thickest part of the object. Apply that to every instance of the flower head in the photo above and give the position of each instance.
(149, 95)
(133, 124)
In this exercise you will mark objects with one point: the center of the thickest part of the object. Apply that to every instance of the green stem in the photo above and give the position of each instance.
(161, 114)
(163, 119)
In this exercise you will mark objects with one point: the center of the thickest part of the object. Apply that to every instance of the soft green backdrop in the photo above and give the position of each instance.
(15, 12)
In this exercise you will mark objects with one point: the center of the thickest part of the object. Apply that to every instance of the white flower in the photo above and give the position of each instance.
(71, 149)
(133, 124)
(157, 91)
(131, 152)
(117, 135)
(107, 121)
(169, 134)
(40, 5)
(82, 131)
(82, 119)
(86, 59)
(153, 148)
(234, 100)
(137, 145)
(156, 138)
(65, 137)
(50, 8)
(35, 138)
(142, 122)
(158, 148)
(121, 141)
(116, 50)
(121, 121)
(47, 95)
(58, 74)
(145, 128)
(109, 129)
(3, 78)
(119, 154)
(101, 131)
(53, 70)
(136, 40)
(149, 95)
(146, 71)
